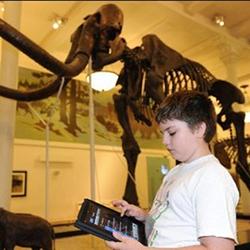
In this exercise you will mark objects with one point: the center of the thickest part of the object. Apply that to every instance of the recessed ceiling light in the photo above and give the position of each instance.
(219, 20)
(57, 22)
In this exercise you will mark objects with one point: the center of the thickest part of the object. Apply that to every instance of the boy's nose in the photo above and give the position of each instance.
(166, 141)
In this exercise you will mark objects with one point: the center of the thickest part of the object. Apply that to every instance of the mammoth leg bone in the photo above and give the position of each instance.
(129, 145)
(242, 165)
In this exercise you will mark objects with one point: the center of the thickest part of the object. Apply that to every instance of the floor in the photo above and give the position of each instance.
(83, 242)
(243, 231)
(88, 242)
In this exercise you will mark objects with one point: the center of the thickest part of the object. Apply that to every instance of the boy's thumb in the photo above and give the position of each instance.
(118, 236)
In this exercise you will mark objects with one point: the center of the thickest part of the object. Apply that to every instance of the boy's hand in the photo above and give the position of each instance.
(126, 243)
(130, 210)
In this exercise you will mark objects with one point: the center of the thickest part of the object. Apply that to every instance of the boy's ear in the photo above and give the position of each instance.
(201, 129)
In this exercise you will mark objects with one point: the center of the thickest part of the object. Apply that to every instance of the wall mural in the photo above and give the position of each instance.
(70, 121)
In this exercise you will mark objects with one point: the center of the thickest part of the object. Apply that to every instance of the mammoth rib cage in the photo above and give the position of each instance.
(189, 76)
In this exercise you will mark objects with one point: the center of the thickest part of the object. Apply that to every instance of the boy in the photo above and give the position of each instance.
(194, 209)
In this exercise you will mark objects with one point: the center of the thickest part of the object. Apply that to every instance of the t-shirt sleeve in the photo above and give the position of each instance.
(215, 200)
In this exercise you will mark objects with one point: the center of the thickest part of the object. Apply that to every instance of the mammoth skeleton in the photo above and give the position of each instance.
(154, 70)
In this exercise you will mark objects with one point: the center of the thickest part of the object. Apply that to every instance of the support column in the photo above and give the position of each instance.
(8, 77)
(229, 54)
(229, 59)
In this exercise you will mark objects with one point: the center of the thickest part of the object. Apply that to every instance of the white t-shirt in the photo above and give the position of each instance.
(195, 199)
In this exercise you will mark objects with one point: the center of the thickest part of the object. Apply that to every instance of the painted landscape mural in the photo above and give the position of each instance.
(69, 121)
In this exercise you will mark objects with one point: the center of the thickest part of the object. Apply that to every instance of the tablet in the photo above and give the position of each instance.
(101, 221)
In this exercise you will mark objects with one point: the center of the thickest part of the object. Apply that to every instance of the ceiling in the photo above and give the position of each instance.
(186, 26)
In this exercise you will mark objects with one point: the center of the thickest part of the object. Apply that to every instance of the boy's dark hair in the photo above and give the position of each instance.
(190, 106)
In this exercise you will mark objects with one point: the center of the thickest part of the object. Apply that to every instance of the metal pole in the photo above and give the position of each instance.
(46, 158)
(47, 132)
(92, 136)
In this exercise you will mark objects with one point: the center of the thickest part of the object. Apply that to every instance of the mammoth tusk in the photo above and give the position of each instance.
(34, 95)
(42, 57)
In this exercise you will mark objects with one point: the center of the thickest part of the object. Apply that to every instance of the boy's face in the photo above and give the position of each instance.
(184, 143)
